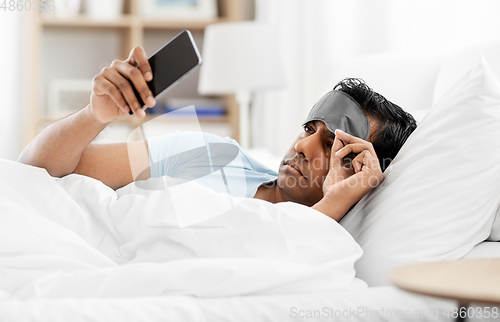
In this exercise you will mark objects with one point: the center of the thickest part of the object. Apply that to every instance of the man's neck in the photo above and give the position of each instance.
(269, 192)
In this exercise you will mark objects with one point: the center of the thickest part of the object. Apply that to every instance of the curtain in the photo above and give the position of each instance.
(277, 116)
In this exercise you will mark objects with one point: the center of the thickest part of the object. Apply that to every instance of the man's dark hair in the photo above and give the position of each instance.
(395, 125)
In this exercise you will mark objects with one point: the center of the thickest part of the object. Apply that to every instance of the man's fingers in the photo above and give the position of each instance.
(374, 175)
(137, 78)
(138, 58)
(359, 161)
(365, 159)
(102, 86)
(334, 160)
(347, 138)
(337, 145)
(355, 148)
(125, 89)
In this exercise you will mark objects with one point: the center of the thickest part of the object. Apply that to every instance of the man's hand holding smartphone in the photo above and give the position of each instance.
(126, 87)
(112, 94)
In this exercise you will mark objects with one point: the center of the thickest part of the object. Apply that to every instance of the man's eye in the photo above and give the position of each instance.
(307, 128)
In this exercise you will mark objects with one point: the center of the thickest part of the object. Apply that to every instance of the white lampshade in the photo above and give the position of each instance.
(240, 56)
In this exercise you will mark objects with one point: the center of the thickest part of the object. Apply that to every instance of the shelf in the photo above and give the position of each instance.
(84, 21)
(126, 21)
(180, 24)
(132, 29)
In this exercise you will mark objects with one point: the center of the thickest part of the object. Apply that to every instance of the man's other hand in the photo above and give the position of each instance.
(362, 173)
(112, 94)
(348, 181)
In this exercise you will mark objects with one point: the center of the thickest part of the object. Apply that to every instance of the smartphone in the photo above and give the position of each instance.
(171, 64)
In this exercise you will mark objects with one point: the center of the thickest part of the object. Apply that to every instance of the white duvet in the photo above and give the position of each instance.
(75, 237)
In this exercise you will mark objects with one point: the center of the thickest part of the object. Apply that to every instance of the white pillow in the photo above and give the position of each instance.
(459, 61)
(441, 193)
(456, 64)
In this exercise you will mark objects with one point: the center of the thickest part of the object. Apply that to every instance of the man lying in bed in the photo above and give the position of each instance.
(325, 168)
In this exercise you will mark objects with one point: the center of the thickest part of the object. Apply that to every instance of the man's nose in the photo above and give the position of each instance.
(309, 147)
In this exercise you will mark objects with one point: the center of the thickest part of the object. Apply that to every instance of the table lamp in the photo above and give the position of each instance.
(240, 58)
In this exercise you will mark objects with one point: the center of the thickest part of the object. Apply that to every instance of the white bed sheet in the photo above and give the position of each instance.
(365, 305)
(74, 237)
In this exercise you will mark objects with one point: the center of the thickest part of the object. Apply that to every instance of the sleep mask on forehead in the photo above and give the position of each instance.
(338, 110)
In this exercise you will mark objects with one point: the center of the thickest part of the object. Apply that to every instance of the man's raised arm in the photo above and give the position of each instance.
(64, 146)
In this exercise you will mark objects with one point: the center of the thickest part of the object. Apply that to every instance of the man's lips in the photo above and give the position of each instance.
(295, 166)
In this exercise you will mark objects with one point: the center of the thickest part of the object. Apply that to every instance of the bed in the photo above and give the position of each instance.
(74, 249)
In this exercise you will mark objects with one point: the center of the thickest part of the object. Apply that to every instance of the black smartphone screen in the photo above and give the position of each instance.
(171, 62)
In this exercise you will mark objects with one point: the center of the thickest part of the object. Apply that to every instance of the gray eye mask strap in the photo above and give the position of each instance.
(338, 110)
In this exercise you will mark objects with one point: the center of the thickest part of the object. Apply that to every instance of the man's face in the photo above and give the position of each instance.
(306, 164)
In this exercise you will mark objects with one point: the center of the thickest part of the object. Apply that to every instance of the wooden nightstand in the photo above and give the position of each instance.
(466, 281)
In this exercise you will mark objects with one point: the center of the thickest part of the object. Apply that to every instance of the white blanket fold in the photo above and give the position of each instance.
(75, 237)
